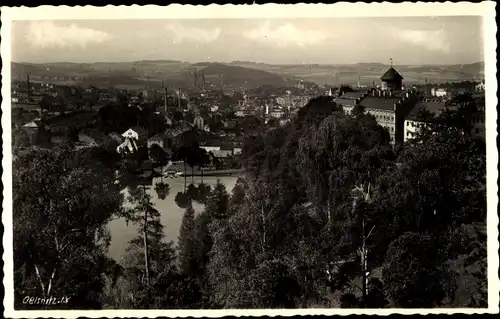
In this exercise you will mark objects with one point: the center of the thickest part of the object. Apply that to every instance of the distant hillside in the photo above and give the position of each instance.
(239, 73)
(235, 76)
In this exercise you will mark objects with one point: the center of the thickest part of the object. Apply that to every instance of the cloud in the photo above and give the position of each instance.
(193, 34)
(49, 34)
(435, 40)
(285, 35)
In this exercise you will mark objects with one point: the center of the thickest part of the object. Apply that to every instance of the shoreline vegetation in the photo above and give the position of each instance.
(328, 215)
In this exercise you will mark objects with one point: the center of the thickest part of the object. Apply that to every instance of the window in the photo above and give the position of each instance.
(407, 123)
(477, 130)
(392, 128)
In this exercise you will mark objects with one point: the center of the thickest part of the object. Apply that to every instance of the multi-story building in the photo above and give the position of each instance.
(413, 124)
(389, 104)
(277, 113)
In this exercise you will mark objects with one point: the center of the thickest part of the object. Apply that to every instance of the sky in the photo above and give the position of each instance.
(407, 40)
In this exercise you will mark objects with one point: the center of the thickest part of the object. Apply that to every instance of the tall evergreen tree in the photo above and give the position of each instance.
(218, 201)
(187, 243)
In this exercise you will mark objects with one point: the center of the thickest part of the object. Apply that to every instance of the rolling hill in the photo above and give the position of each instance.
(236, 73)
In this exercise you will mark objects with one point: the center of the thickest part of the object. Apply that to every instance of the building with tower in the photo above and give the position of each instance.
(390, 104)
(391, 80)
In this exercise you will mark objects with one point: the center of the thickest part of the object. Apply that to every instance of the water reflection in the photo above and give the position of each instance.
(171, 213)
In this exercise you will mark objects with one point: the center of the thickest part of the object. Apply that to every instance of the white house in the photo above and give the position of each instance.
(131, 134)
(129, 145)
(412, 125)
(438, 92)
(210, 148)
(480, 87)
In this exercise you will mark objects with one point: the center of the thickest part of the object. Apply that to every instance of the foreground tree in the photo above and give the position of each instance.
(160, 157)
(187, 243)
(412, 269)
(62, 204)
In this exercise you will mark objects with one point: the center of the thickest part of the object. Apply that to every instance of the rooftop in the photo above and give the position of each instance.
(353, 95)
(345, 102)
(432, 106)
(391, 75)
(379, 103)
(156, 137)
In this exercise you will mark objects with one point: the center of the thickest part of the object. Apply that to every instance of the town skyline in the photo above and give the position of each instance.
(408, 41)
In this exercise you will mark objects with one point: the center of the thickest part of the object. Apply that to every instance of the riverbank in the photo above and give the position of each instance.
(198, 172)
(221, 172)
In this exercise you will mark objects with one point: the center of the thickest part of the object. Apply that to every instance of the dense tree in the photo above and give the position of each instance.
(68, 199)
(47, 102)
(217, 203)
(273, 122)
(187, 243)
(43, 137)
(193, 158)
(20, 139)
(182, 199)
(204, 192)
(297, 205)
(118, 118)
(204, 160)
(160, 157)
(72, 135)
(412, 269)
(183, 154)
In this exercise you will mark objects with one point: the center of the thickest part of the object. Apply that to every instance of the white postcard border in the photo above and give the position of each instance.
(268, 11)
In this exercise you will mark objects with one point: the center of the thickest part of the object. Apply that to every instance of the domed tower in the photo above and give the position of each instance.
(391, 80)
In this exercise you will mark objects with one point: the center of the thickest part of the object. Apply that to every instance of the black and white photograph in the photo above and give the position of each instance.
(286, 159)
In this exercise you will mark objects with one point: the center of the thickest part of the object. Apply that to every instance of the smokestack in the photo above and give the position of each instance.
(166, 100)
(195, 77)
(179, 99)
(203, 79)
(29, 88)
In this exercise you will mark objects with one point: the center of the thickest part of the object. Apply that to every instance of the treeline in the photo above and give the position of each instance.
(328, 215)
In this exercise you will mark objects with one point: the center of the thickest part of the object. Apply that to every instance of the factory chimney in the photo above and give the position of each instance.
(166, 96)
(29, 86)
(179, 99)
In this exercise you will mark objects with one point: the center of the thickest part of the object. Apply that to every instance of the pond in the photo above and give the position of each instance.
(171, 214)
